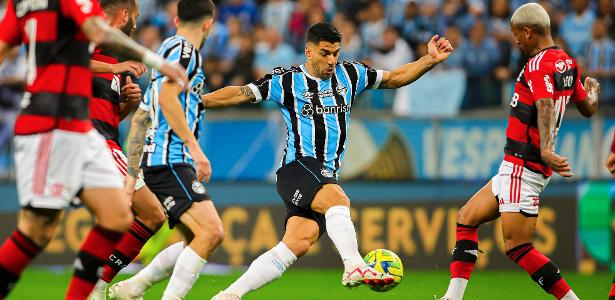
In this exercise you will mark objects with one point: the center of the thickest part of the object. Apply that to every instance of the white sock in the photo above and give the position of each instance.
(159, 269)
(341, 231)
(570, 296)
(456, 288)
(264, 269)
(187, 270)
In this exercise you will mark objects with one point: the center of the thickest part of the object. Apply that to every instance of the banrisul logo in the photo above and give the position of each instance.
(309, 109)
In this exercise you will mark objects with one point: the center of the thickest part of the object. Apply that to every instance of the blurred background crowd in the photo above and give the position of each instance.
(251, 37)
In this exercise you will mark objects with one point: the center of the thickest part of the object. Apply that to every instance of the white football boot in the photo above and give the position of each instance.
(364, 274)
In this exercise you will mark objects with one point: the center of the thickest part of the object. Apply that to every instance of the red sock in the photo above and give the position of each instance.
(15, 254)
(612, 292)
(93, 253)
(541, 268)
(465, 252)
(127, 249)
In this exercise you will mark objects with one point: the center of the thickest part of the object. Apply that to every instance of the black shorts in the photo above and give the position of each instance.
(176, 187)
(298, 182)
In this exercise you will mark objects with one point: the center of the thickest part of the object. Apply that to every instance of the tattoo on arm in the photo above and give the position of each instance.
(546, 123)
(246, 91)
(140, 123)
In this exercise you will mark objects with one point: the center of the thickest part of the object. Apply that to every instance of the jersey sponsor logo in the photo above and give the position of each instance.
(548, 84)
(26, 6)
(85, 6)
(561, 66)
(309, 110)
(326, 173)
(296, 197)
(198, 187)
(187, 50)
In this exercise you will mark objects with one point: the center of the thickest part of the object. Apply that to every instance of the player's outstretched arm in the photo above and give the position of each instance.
(546, 129)
(117, 42)
(438, 50)
(589, 105)
(228, 96)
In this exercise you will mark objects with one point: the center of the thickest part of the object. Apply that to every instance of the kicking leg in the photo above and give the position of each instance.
(34, 230)
(301, 233)
(518, 231)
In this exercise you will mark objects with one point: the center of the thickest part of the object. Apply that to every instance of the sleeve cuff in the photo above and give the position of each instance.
(143, 106)
(379, 74)
(257, 94)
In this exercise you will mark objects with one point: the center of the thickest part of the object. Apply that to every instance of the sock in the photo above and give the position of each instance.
(612, 292)
(263, 270)
(465, 254)
(542, 270)
(127, 249)
(94, 252)
(187, 270)
(157, 270)
(15, 254)
(341, 231)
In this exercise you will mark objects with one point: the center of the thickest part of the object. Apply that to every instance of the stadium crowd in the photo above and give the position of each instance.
(250, 37)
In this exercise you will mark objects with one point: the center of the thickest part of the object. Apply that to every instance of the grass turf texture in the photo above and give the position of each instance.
(325, 284)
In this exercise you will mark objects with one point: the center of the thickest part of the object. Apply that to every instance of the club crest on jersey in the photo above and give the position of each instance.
(198, 187)
(341, 90)
(561, 66)
(326, 173)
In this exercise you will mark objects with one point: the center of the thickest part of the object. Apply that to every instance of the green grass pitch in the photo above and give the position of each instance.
(303, 284)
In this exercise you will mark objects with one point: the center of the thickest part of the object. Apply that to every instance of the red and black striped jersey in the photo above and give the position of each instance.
(549, 74)
(58, 86)
(105, 103)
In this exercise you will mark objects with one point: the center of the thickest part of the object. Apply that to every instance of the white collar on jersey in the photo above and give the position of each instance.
(308, 74)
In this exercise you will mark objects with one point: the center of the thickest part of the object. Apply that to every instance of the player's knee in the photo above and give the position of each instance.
(464, 216)
(39, 225)
(216, 234)
(153, 220)
(120, 221)
(299, 247)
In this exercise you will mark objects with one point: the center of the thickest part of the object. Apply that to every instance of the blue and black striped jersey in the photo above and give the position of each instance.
(316, 111)
(162, 145)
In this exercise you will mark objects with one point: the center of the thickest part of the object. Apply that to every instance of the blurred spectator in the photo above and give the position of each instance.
(371, 30)
(12, 81)
(351, 42)
(600, 61)
(453, 34)
(299, 22)
(394, 11)
(245, 11)
(576, 25)
(413, 28)
(606, 12)
(276, 14)
(480, 56)
(165, 19)
(272, 52)
(241, 70)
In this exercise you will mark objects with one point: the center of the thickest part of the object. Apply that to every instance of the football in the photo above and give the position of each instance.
(386, 261)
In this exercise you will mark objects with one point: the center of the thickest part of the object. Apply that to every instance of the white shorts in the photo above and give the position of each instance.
(122, 165)
(52, 167)
(518, 189)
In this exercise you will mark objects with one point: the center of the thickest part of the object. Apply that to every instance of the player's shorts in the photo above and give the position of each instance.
(298, 182)
(518, 189)
(176, 187)
(53, 167)
(121, 162)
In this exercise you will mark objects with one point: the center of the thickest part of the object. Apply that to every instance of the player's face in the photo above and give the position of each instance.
(131, 24)
(322, 58)
(521, 37)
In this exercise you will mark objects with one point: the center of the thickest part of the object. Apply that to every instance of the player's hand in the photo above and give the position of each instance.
(131, 92)
(610, 163)
(201, 162)
(175, 72)
(134, 67)
(439, 48)
(592, 85)
(559, 164)
(129, 186)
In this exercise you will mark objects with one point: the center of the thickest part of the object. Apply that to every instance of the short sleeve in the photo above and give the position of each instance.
(540, 80)
(81, 10)
(10, 33)
(268, 87)
(579, 94)
(368, 78)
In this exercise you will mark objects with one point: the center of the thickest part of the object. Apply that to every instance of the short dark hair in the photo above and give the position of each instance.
(195, 10)
(115, 4)
(320, 32)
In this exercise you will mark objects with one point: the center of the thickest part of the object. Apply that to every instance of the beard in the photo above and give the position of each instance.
(128, 28)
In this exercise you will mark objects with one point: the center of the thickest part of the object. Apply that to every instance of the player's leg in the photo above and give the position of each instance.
(102, 192)
(518, 230)
(301, 233)
(35, 227)
(481, 208)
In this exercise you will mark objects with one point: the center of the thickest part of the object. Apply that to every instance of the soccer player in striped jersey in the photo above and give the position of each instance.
(315, 99)
(549, 80)
(173, 163)
(110, 103)
(58, 155)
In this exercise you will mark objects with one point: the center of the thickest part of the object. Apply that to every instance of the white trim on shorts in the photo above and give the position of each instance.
(518, 189)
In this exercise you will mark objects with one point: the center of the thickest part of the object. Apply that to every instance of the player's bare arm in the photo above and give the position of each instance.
(135, 68)
(99, 32)
(4, 50)
(589, 105)
(130, 96)
(138, 127)
(174, 114)
(546, 129)
(439, 49)
(228, 96)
